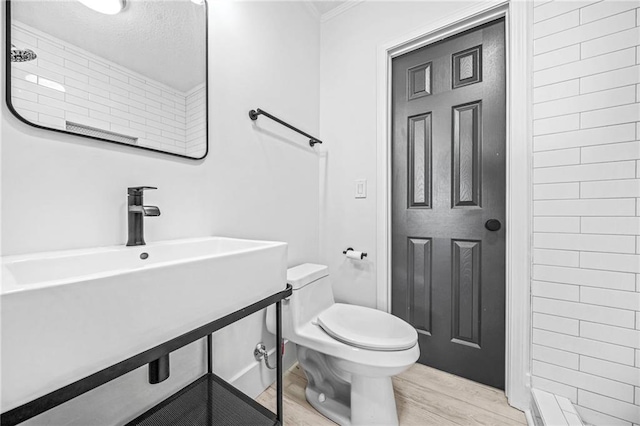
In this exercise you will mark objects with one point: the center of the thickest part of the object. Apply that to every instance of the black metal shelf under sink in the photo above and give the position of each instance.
(207, 401)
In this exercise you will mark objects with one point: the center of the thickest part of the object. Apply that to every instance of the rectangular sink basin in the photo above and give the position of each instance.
(68, 314)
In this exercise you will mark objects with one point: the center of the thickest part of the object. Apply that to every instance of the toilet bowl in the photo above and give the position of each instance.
(348, 353)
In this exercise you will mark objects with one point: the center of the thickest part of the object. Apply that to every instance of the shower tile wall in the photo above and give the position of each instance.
(196, 121)
(66, 83)
(586, 272)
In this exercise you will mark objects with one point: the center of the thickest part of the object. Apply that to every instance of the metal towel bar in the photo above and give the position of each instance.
(255, 113)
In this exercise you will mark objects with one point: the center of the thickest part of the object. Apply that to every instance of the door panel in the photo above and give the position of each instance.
(420, 283)
(467, 140)
(448, 179)
(420, 161)
(465, 290)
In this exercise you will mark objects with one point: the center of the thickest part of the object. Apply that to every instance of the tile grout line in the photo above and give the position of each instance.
(580, 354)
(586, 40)
(624, 310)
(584, 130)
(580, 76)
(587, 390)
(608, 89)
(577, 250)
(587, 75)
(588, 111)
(580, 9)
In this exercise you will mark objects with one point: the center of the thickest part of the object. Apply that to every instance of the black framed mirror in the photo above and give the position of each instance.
(130, 72)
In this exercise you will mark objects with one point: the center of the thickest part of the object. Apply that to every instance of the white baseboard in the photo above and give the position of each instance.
(256, 377)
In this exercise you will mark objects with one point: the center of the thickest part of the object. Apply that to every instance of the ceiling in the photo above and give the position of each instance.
(163, 40)
(323, 7)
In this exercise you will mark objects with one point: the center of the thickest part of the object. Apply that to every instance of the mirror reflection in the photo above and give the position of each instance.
(131, 72)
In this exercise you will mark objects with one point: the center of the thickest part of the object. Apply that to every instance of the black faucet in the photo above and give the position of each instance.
(136, 213)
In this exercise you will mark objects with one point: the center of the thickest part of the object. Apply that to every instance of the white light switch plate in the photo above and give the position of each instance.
(361, 188)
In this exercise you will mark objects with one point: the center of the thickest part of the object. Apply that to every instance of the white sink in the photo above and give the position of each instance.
(68, 314)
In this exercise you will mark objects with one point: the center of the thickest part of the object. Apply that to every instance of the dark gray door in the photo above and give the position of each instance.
(448, 194)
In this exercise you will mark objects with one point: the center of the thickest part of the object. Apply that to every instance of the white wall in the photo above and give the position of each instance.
(348, 128)
(258, 181)
(586, 249)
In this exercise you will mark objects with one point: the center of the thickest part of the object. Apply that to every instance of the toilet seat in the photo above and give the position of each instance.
(367, 328)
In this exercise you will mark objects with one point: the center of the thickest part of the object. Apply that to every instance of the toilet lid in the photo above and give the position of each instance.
(367, 328)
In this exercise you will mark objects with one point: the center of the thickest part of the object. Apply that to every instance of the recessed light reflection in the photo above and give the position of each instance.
(108, 7)
(32, 78)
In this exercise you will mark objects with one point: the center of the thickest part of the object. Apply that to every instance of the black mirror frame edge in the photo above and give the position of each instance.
(7, 83)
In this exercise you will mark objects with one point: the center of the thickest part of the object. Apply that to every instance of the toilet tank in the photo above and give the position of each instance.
(312, 294)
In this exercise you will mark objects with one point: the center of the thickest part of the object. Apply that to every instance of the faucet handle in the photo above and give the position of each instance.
(137, 190)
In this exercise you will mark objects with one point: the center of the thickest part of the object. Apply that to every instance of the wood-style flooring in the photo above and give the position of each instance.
(424, 396)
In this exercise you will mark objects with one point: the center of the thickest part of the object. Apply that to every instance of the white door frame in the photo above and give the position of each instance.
(518, 197)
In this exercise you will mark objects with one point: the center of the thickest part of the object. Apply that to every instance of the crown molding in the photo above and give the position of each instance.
(340, 9)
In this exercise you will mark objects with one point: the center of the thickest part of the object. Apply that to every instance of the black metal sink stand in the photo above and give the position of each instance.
(208, 401)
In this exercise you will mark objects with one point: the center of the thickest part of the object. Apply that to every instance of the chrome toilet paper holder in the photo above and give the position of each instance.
(362, 255)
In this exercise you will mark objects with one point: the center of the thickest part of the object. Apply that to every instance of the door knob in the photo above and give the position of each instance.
(493, 225)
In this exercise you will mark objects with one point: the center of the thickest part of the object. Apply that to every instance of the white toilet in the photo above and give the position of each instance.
(349, 353)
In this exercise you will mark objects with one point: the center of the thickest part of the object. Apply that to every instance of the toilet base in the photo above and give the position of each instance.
(347, 399)
(330, 408)
(373, 401)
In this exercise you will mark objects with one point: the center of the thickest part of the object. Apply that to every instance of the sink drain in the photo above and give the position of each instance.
(143, 256)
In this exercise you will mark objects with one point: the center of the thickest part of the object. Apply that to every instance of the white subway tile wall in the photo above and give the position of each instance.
(195, 131)
(586, 272)
(67, 84)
